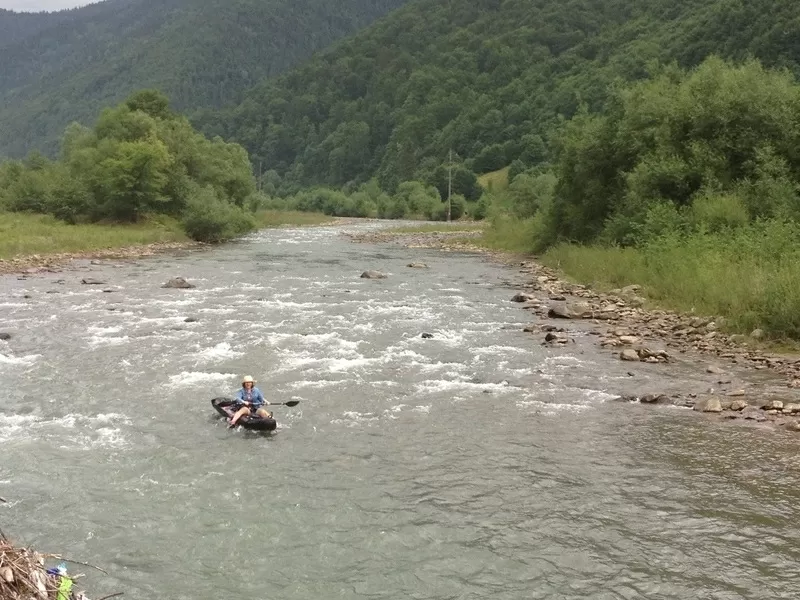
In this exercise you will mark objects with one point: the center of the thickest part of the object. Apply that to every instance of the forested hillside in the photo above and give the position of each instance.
(487, 78)
(15, 26)
(59, 67)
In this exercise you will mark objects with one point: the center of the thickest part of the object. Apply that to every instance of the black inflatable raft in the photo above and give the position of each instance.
(227, 407)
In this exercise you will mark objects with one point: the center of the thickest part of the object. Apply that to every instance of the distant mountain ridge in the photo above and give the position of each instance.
(489, 79)
(67, 65)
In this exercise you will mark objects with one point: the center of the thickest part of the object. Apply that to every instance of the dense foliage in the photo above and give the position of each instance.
(489, 79)
(140, 159)
(687, 183)
(717, 147)
(68, 65)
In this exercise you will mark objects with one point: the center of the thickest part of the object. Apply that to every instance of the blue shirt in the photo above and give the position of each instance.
(253, 395)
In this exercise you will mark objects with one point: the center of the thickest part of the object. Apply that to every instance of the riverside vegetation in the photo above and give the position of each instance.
(142, 175)
(687, 184)
(628, 152)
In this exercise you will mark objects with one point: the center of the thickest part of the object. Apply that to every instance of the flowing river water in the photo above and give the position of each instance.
(476, 464)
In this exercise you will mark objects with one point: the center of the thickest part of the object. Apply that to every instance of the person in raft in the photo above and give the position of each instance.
(252, 399)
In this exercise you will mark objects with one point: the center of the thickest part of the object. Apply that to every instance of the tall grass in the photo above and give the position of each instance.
(26, 234)
(750, 275)
(496, 181)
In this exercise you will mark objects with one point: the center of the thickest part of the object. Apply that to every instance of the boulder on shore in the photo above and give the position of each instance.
(571, 310)
(178, 283)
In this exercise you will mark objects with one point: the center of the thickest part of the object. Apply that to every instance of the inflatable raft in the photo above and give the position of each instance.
(227, 407)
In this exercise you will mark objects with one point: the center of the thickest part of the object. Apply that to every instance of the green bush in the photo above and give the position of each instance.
(207, 218)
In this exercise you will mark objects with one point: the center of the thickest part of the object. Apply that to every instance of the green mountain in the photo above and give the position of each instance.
(488, 79)
(67, 65)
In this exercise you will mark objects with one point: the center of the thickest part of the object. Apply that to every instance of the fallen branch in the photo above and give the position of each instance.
(111, 596)
(75, 562)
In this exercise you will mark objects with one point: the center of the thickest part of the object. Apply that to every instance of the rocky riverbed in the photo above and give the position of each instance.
(55, 263)
(751, 385)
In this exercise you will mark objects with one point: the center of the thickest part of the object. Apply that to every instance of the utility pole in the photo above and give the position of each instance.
(449, 182)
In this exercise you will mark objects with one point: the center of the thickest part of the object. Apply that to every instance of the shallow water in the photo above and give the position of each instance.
(477, 464)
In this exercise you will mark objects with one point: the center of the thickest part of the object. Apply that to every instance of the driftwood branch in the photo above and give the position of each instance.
(111, 596)
(76, 562)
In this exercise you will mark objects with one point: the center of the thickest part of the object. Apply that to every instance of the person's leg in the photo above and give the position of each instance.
(264, 413)
(239, 413)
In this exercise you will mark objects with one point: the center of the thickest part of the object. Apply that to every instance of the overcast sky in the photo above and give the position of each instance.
(38, 5)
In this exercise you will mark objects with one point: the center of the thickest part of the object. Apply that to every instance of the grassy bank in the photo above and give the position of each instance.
(439, 227)
(23, 234)
(750, 275)
(27, 234)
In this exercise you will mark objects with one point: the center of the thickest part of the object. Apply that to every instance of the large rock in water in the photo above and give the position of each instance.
(5, 336)
(373, 275)
(178, 283)
(712, 405)
(417, 265)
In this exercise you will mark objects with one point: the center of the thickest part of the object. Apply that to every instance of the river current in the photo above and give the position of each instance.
(474, 464)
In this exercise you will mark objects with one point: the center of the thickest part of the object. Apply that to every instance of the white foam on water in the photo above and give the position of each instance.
(339, 365)
(96, 330)
(217, 311)
(550, 408)
(84, 432)
(496, 350)
(318, 384)
(355, 419)
(422, 409)
(96, 341)
(187, 378)
(26, 360)
(220, 351)
(444, 385)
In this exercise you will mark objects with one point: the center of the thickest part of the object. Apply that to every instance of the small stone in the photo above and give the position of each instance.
(735, 393)
(417, 265)
(629, 354)
(738, 405)
(178, 283)
(714, 370)
(426, 336)
(711, 404)
(90, 281)
(629, 339)
(774, 405)
(190, 320)
(5, 336)
(521, 297)
(373, 275)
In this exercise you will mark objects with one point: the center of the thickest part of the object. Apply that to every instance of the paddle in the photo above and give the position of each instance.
(289, 403)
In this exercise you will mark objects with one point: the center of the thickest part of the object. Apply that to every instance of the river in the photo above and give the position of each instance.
(475, 464)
